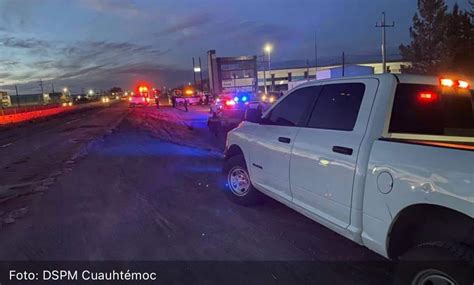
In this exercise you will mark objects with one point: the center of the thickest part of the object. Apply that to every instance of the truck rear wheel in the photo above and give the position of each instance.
(436, 263)
(239, 188)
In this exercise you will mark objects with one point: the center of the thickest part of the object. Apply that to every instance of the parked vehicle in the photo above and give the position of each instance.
(187, 96)
(228, 110)
(138, 99)
(5, 100)
(386, 161)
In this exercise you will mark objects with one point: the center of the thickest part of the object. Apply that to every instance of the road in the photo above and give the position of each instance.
(141, 184)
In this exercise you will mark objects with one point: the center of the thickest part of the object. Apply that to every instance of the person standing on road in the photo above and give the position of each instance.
(157, 101)
(173, 101)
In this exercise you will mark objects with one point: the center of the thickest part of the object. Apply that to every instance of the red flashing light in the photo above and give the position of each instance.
(230, 102)
(427, 97)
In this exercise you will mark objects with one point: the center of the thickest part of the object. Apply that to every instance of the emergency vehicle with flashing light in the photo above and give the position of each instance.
(141, 97)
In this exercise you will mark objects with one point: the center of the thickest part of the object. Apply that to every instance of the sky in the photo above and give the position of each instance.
(103, 43)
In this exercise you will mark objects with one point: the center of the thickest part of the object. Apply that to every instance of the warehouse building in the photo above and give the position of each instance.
(278, 79)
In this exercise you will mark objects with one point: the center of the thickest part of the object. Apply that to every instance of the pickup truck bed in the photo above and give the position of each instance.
(452, 145)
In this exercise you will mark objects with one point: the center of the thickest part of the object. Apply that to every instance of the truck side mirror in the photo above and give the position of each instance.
(253, 115)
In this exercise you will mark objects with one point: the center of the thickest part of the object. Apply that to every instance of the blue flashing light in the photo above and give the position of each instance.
(236, 99)
(244, 98)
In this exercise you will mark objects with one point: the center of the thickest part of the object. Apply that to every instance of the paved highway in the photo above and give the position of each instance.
(113, 183)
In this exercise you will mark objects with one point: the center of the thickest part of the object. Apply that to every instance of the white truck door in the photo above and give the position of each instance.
(272, 141)
(325, 151)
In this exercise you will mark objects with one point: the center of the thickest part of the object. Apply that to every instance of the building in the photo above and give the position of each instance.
(227, 74)
(277, 79)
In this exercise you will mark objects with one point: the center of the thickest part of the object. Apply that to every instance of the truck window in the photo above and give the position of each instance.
(426, 110)
(292, 109)
(337, 107)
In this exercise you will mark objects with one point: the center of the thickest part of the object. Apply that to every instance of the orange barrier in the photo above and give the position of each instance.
(21, 117)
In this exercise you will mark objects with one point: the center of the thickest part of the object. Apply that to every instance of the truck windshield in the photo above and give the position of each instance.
(430, 110)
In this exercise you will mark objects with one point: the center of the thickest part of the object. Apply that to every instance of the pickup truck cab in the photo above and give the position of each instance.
(384, 160)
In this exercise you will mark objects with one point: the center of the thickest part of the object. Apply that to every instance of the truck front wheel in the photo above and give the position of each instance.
(239, 188)
(436, 263)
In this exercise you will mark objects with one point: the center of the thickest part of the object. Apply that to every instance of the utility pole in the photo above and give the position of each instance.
(52, 88)
(194, 73)
(383, 25)
(42, 91)
(343, 64)
(316, 55)
(307, 69)
(17, 97)
(200, 74)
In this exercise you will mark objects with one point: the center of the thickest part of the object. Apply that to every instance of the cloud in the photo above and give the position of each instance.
(189, 22)
(124, 8)
(29, 43)
(81, 61)
(9, 63)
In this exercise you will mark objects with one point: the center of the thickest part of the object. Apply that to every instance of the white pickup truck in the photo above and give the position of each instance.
(384, 160)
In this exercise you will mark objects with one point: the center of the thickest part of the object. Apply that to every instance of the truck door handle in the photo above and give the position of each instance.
(284, 140)
(342, 150)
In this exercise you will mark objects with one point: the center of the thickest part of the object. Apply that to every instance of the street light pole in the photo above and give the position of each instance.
(264, 75)
(194, 72)
(200, 75)
(270, 70)
(268, 50)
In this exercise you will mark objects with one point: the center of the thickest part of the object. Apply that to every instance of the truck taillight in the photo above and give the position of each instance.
(427, 97)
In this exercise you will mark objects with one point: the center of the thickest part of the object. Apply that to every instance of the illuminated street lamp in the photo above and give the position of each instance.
(197, 69)
(91, 92)
(268, 48)
(65, 89)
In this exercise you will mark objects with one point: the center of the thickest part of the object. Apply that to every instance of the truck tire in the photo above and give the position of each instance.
(238, 187)
(436, 263)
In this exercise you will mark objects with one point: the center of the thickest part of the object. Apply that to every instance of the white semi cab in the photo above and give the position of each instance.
(384, 160)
